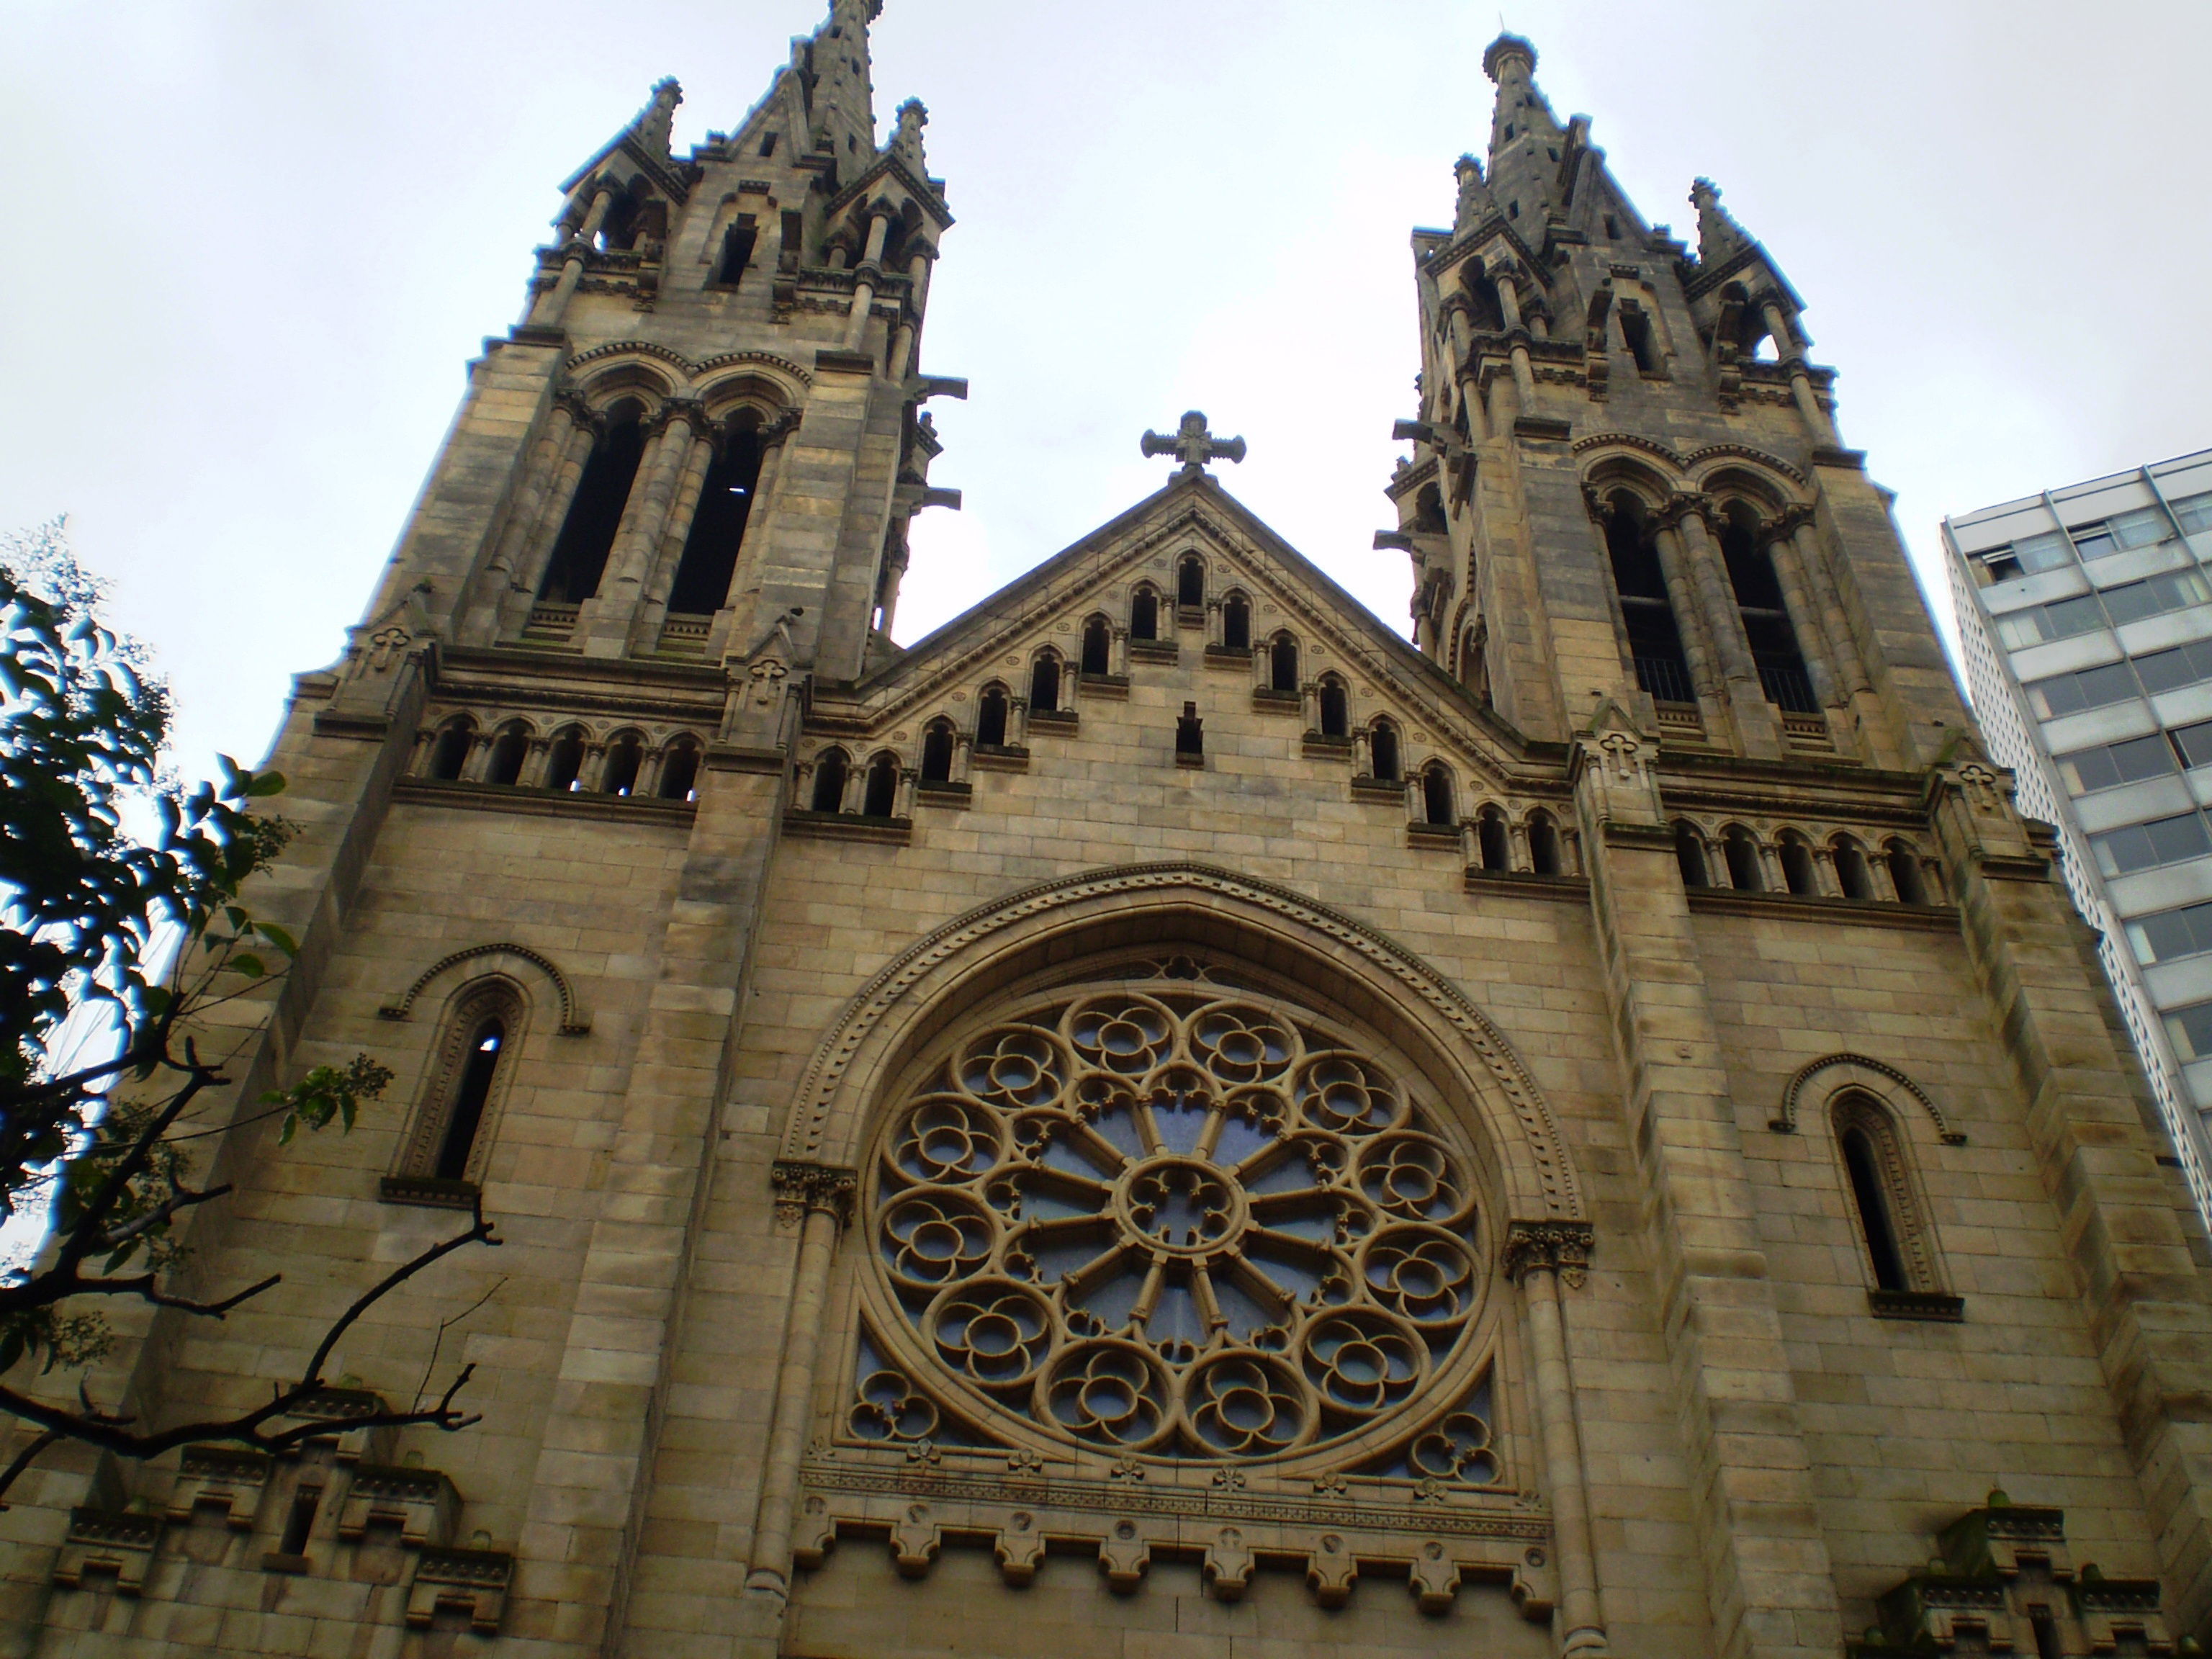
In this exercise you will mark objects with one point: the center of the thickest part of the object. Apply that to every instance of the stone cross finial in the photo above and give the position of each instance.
(1194, 446)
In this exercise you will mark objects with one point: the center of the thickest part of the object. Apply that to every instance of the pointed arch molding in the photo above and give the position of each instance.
(906, 1002)
(1884, 1082)
(575, 1021)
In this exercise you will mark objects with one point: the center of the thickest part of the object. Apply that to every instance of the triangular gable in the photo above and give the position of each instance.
(1335, 628)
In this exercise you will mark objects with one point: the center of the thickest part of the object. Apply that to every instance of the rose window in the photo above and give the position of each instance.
(1179, 1224)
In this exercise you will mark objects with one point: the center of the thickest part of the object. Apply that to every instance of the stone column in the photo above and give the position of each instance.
(917, 272)
(751, 546)
(536, 547)
(1689, 615)
(1517, 847)
(1465, 374)
(895, 563)
(605, 624)
(864, 287)
(1524, 376)
(1805, 622)
(822, 1196)
(1754, 717)
(1539, 1255)
(1801, 383)
(660, 575)
(480, 625)
(553, 304)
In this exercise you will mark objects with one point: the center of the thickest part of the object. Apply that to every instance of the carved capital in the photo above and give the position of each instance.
(577, 407)
(1683, 506)
(681, 409)
(803, 1189)
(777, 427)
(1560, 1247)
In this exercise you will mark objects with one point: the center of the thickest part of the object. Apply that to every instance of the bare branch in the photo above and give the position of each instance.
(481, 1232)
(183, 1199)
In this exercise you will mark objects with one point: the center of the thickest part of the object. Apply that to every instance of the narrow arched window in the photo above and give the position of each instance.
(990, 718)
(1898, 1247)
(1098, 646)
(1383, 750)
(1144, 615)
(1759, 601)
(509, 750)
(465, 1114)
(1236, 622)
(1044, 685)
(1876, 1227)
(1851, 873)
(718, 526)
(1655, 638)
(1798, 873)
(1190, 582)
(1335, 709)
(451, 755)
(1544, 845)
(1283, 664)
(829, 769)
(880, 799)
(1904, 874)
(679, 770)
(625, 758)
(1437, 796)
(595, 512)
(1491, 838)
(1690, 854)
(937, 752)
(1741, 852)
(565, 764)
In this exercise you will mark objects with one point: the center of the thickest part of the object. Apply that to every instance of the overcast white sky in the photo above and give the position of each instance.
(256, 241)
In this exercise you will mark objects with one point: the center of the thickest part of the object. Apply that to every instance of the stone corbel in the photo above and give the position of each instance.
(472, 1582)
(229, 1482)
(1123, 1556)
(101, 1544)
(422, 1503)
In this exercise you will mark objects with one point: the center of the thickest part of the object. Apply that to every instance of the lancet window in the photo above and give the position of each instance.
(595, 512)
(1766, 618)
(718, 526)
(1655, 638)
(462, 1088)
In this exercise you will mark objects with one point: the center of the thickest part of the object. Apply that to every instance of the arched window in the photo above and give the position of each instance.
(679, 770)
(738, 244)
(1742, 854)
(1283, 664)
(1335, 709)
(1544, 845)
(595, 512)
(1044, 684)
(1144, 615)
(990, 718)
(1797, 872)
(1491, 842)
(1236, 622)
(718, 526)
(1904, 874)
(624, 757)
(1690, 854)
(829, 769)
(1899, 1247)
(1851, 873)
(1437, 795)
(566, 760)
(455, 738)
(509, 750)
(880, 799)
(1655, 639)
(1190, 582)
(1766, 622)
(463, 1083)
(936, 752)
(1098, 646)
(1383, 750)
(465, 1115)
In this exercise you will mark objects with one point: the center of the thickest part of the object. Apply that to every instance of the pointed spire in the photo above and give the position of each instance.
(1719, 236)
(843, 112)
(655, 123)
(1475, 204)
(906, 141)
(1524, 134)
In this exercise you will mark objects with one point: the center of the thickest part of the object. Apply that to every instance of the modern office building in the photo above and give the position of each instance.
(2086, 618)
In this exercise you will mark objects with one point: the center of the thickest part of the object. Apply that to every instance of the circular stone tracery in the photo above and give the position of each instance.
(1177, 1223)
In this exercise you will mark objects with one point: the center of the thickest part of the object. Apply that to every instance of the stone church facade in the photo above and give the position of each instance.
(1162, 1120)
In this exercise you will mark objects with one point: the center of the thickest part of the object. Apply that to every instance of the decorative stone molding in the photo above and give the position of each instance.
(1562, 1246)
(1883, 1081)
(473, 1582)
(574, 1022)
(100, 1544)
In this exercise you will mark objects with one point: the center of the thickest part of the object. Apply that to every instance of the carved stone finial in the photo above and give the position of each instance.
(1719, 236)
(657, 121)
(906, 139)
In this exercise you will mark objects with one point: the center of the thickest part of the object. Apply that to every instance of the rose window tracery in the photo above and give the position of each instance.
(1177, 1221)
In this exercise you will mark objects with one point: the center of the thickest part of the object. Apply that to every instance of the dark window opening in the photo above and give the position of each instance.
(467, 1114)
(1098, 647)
(565, 761)
(881, 797)
(1654, 641)
(1190, 732)
(1144, 615)
(1863, 1164)
(830, 782)
(1513, 209)
(1509, 132)
(1904, 874)
(1190, 582)
(1742, 854)
(1044, 685)
(508, 752)
(1612, 229)
(1690, 856)
(1283, 664)
(991, 718)
(738, 244)
(1429, 510)
(1492, 845)
(1851, 873)
(300, 1521)
(1335, 711)
(1635, 331)
(1383, 751)
(718, 528)
(587, 534)
(2047, 1645)
(1766, 622)
(679, 771)
(937, 753)
(1437, 796)
(452, 753)
(1236, 623)
(767, 145)
(1544, 846)
(1797, 873)
(624, 760)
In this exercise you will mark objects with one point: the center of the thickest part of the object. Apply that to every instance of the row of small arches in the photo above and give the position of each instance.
(568, 760)
(1793, 863)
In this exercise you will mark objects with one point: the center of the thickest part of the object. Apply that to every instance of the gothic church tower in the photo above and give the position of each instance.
(1159, 1117)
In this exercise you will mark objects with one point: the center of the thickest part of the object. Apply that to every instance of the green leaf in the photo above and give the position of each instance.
(266, 783)
(247, 963)
(277, 936)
